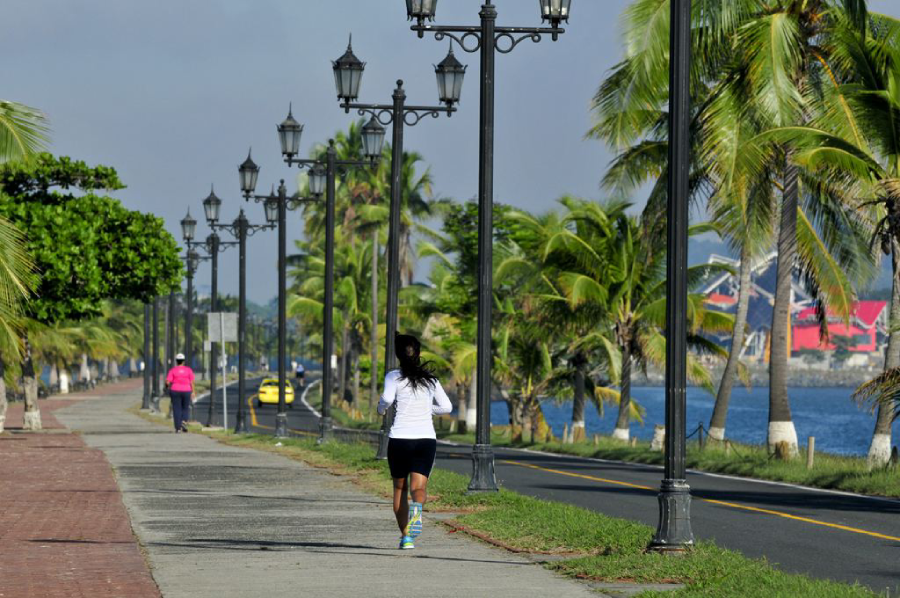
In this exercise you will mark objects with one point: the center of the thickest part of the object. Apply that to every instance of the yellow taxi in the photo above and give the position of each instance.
(268, 393)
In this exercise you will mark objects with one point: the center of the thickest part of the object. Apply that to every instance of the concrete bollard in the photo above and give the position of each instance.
(596, 440)
(565, 435)
(727, 448)
(810, 451)
(659, 438)
(633, 441)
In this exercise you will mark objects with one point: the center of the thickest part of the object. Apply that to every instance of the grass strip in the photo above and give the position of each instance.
(609, 549)
(835, 472)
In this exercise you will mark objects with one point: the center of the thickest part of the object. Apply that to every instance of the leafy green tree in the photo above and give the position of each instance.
(87, 247)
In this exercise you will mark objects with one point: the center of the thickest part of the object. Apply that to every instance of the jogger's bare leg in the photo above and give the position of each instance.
(418, 487)
(401, 502)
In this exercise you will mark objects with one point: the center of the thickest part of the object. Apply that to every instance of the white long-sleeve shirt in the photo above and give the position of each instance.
(415, 408)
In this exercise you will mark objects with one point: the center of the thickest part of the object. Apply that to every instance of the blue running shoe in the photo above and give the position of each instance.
(406, 543)
(414, 527)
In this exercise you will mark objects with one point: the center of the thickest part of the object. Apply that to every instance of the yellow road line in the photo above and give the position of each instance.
(582, 476)
(732, 505)
(253, 413)
(256, 424)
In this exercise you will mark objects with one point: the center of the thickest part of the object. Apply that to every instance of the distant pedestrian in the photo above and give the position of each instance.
(180, 384)
(417, 395)
(301, 375)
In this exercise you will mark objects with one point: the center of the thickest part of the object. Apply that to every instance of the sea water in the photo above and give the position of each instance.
(838, 424)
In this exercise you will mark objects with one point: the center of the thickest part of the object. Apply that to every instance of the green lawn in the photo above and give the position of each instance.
(602, 548)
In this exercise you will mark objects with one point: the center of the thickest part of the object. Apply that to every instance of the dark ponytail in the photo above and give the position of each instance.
(407, 349)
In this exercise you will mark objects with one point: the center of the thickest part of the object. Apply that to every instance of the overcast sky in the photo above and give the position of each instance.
(173, 92)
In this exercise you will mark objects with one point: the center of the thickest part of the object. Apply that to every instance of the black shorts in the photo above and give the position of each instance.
(406, 456)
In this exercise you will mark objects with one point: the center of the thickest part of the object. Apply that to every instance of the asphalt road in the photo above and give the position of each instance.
(820, 533)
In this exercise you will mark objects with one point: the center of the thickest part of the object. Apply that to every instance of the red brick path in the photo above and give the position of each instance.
(64, 531)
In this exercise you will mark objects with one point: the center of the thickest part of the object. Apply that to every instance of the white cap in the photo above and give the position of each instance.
(179, 357)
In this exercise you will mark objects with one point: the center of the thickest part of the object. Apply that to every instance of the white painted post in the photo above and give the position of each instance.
(810, 451)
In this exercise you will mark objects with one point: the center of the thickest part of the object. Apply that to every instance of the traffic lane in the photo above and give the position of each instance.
(796, 546)
(259, 420)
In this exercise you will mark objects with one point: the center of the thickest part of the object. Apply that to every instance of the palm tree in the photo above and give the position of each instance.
(23, 131)
(601, 269)
(771, 51)
(856, 143)
(18, 280)
(351, 301)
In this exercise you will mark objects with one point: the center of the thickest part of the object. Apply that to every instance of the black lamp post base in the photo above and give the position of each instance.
(281, 429)
(326, 429)
(483, 477)
(240, 425)
(382, 445)
(674, 534)
(384, 435)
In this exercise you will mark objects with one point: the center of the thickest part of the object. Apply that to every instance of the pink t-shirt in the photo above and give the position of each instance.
(180, 378)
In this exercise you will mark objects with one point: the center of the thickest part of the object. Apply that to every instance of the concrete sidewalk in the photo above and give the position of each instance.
(221, 521)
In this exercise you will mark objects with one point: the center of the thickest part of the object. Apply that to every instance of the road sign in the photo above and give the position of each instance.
(219, 323)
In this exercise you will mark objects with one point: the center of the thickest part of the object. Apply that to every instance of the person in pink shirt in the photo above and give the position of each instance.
(180, 384)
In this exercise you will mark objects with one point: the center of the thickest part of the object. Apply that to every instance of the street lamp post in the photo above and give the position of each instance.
(213, 245)
(145, 401)
(348, 71)
(170, 333)
(154, 362)
(276, 207)
(488, 39)
(192, 260)
(322, 178)
(674, 531)
(239, 229)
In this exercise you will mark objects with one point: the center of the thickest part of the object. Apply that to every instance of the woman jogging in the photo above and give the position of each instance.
(417, 395)
(180, 384)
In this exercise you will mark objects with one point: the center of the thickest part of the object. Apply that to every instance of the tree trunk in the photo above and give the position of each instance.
(54, 376)
(461, 408)
(114, 369)
(84, 373)
(720, 411)
(342, 383)
(781, 425)
(472, 412)
(32, 415)
(64, 379)
(373, 348)
(4, 403)
(355, 379)
(880, 448)
(622, 431)
(578, 403)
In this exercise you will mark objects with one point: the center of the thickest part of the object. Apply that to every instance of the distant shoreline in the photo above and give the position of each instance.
(849, 378)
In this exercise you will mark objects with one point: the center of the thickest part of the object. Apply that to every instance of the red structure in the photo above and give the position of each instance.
(868, 320)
